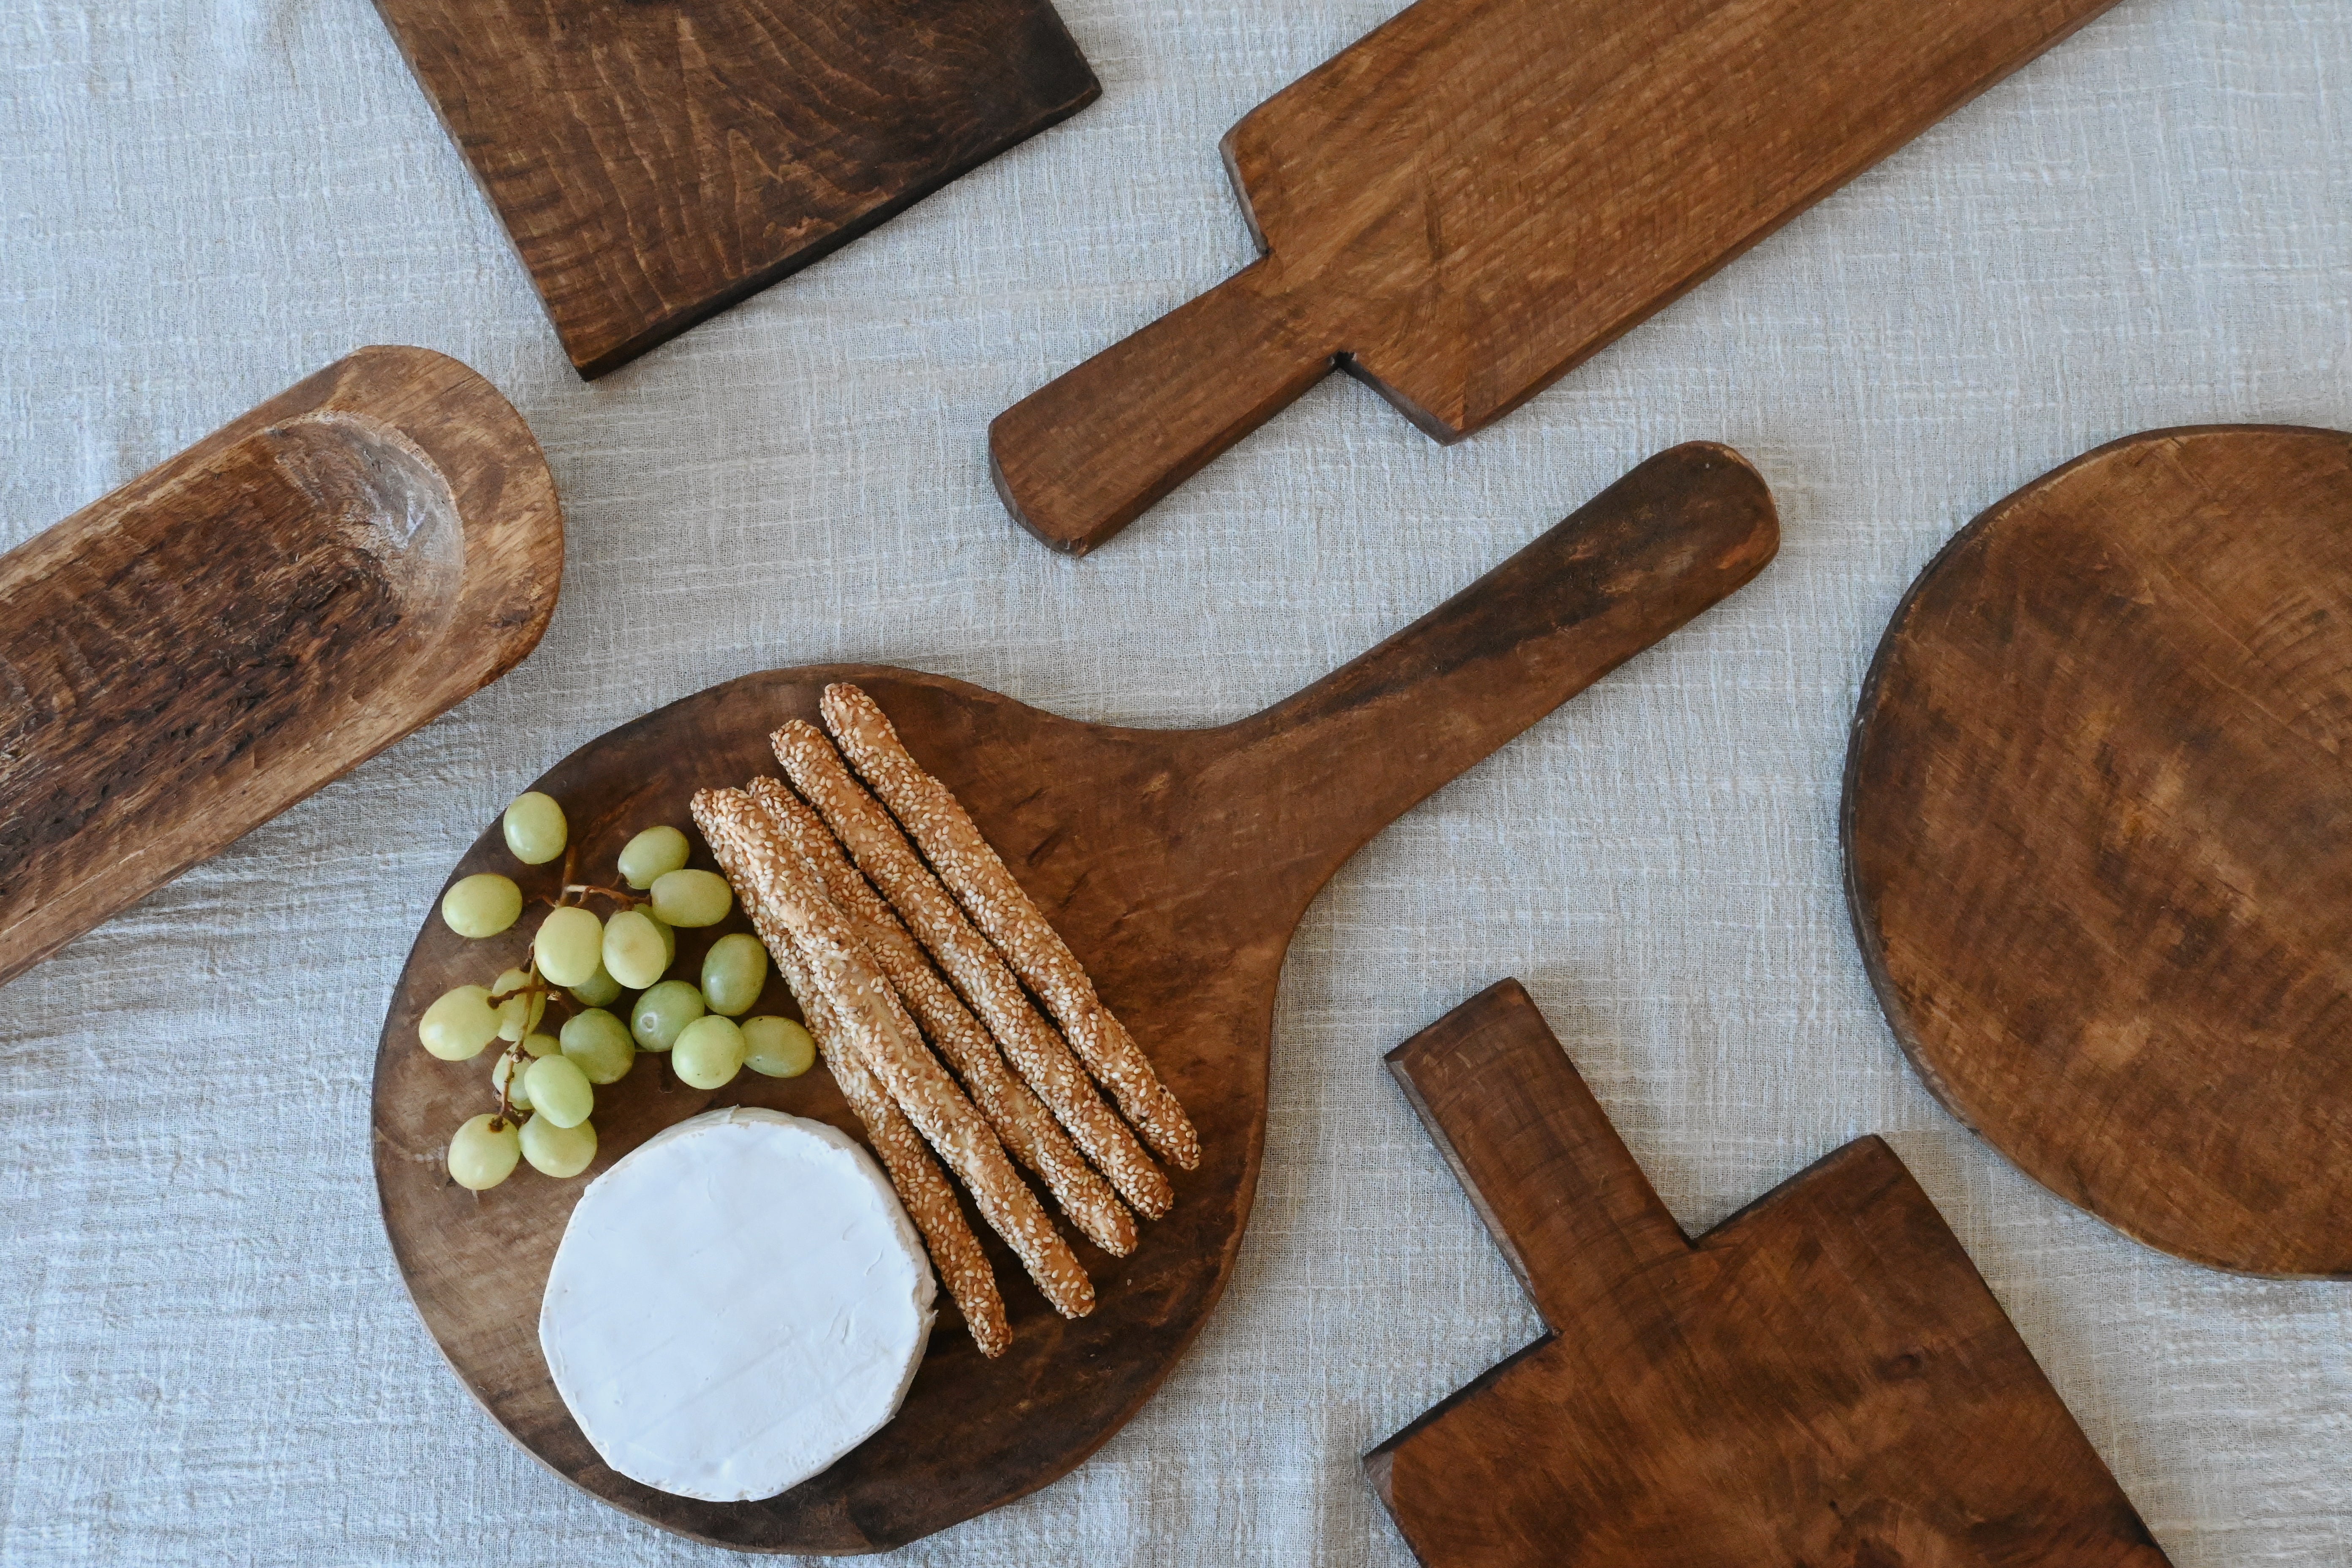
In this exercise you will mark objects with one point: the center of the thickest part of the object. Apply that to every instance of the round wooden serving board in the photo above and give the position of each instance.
(2098, 843)
(1176, 864)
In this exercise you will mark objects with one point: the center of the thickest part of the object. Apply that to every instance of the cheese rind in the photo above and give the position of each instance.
(735, 1305)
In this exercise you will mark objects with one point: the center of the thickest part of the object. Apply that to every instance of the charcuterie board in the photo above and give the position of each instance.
(2094, 839)
(1822, 1378)
(1479, 194)
(1176, 863)
(193, 653)
(657, 162)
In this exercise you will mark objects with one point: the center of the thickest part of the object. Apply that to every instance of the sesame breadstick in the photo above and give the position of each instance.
(965, 862)
(930, 1202)
(885, 1039)
(1027, 1128)
(882, 852)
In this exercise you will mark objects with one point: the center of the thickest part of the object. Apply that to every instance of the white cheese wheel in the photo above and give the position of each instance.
(735, 1305)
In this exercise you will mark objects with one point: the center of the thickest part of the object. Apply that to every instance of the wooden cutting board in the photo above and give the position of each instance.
(191, 655)
(1822, 1378)
(1175, 862)
(1481, 194)
(657, 161)
(2096, 840)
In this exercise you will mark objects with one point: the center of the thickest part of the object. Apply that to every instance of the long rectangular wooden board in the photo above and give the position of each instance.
(1479, 194)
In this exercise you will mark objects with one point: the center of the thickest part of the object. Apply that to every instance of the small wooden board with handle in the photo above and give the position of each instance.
(2095, 837)
(656, 162)
(193, 653)
(1175, 862)
(1822, 1378)
(1479, 194)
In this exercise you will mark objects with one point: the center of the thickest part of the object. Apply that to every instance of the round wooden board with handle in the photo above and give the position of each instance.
(2097, 838)
(1175, 862)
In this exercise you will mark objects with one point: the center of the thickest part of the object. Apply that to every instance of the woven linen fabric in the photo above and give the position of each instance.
(206, 1351)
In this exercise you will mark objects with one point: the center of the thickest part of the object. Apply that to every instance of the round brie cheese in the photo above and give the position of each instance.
(735, 1305)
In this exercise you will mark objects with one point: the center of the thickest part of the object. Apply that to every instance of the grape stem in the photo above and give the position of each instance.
(534, 985)
(561, 900)
(514, 1054)
(626, 900)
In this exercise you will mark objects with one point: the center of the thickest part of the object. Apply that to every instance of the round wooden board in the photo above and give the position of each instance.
(1176, 863)
(2096, 837)
(973, 1432)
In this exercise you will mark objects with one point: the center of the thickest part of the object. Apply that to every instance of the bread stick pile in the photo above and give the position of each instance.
(906, 941)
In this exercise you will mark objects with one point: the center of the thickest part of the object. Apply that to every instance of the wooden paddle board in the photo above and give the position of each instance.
(657, 162)
(191, 655)
(1480, 193)
(1175, 862)
(2094, 839)
(1822, 1378)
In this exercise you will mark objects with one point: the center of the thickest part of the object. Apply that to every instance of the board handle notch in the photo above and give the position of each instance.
(1086, 454)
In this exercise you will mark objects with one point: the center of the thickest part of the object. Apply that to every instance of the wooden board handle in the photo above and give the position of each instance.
(1350, 755)
(1565, 1200)
(1083, 456)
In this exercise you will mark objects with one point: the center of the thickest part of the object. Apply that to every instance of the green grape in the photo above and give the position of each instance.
(512, 1025)
(483, 904)
(668, 935)
(652, 855)
(692, 898)
(777, 1047)
(568, 945)
(734, 973)
(519, 1094)
(482, 1152)
(634, 953)
(535, 829)
(555, 1151)
(600, 989)
(662, 1011)
(560, 1090)
(710, 1052)
(459, 1024)
(600, 1043)
(536, 1045)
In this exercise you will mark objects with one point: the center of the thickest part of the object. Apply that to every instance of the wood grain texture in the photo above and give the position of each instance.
(1481, 194)
(1822, 1378)
(1176, 864)
(189, 656)
(657, 161)
(2095, 843)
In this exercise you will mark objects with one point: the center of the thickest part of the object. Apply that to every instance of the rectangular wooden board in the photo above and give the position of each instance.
(1479, 194)
(657, 162)
(1824, 1378)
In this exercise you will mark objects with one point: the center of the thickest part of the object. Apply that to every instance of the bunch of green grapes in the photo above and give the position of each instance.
(587, 964)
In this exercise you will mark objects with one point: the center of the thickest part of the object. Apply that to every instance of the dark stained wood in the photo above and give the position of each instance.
(657, 161)
(188, 656)
(1822, 1378)
(1479, 194)
(2094, 839)
(1175, 862)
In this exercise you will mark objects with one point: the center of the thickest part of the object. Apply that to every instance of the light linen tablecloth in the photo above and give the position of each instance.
(206, 1352)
